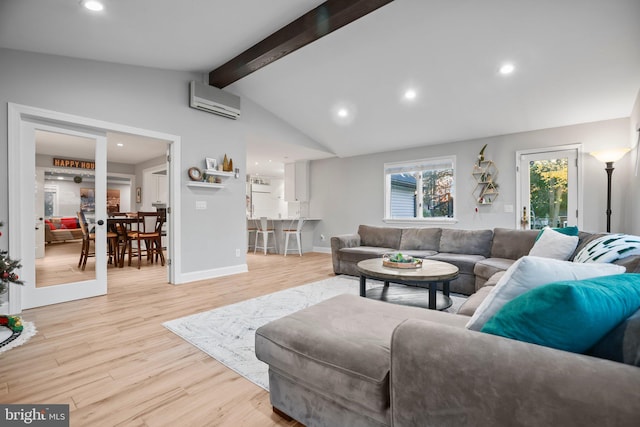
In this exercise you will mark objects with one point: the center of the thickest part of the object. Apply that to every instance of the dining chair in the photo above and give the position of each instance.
(265, 230)
(88, 237)
(148, 237)
(291, 231)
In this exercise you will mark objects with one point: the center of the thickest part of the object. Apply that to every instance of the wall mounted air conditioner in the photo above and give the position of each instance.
(213, 100)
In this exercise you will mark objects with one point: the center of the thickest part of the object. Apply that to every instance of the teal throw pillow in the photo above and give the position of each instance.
(570, 315)
(569, 231)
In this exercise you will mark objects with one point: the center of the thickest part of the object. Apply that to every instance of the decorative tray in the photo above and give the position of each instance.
(401, 261)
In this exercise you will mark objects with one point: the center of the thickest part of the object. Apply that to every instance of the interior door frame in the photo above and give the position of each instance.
(18, 115)
(579, 187)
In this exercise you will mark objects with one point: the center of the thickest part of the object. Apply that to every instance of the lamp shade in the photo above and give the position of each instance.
(613, 155)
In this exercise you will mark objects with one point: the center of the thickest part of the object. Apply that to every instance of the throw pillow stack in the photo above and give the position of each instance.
(575, 306)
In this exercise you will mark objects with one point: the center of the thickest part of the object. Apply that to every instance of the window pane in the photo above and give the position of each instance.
(420, 189)
(549, 189)
(437, 190)
(403, 196)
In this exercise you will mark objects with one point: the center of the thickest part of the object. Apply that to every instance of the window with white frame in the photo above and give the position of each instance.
(420, 189)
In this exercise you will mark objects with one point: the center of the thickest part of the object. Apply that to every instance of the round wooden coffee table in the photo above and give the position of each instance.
(429, 275)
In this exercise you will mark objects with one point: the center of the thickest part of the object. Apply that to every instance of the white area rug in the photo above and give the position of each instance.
(29, 330)
(228, 333)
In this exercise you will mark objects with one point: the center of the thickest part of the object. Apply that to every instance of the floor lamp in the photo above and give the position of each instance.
(608, 157)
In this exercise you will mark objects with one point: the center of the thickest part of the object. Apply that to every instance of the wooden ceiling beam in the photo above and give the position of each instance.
(311, 26)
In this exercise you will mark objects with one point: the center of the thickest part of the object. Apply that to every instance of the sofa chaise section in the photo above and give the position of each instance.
(336, 374)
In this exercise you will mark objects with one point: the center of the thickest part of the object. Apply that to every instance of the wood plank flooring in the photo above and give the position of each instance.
(114, 363)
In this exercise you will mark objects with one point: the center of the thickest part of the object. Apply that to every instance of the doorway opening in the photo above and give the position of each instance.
(26, 125)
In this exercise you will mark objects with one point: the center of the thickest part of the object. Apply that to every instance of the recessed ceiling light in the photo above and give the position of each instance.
(343, 113)
(120, 144)
(93, 5)
(507, 68)
(410, 94)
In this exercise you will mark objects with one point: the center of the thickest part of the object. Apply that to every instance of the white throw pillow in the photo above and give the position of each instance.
(552, 244)
(530, 272)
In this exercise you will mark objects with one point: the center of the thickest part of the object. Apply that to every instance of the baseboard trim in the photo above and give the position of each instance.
(322, 249)
(210, 274)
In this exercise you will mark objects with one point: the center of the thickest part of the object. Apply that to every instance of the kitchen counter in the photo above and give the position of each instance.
(281, 223)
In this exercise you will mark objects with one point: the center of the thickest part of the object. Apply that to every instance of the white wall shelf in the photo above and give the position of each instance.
(204, 184)
(211, 172)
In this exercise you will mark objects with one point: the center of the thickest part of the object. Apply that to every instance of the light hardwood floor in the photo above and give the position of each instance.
(114, 363)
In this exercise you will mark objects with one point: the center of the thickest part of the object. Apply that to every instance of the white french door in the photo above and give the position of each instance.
(548, 187)
(23, 209)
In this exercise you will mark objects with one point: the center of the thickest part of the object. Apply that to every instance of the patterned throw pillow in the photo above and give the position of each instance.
(609, 248)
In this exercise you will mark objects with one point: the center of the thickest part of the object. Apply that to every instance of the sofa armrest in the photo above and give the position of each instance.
(444, 375)
(339, 242)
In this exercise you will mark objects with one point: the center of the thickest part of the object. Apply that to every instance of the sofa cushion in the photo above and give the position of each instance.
(464, 262)
(420, 239)
(50, 224)
(531, 272)
(348, 357)
(471, 242)
(69, 223)
(622, 343)
(488, 267)
(552, 244)
(359, 253)
(417, 253)
(471, 304)
(512, 244)
(384, 237)
(568, 315)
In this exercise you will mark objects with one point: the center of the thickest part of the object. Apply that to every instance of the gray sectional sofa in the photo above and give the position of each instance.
(353, 361)
(479, 254)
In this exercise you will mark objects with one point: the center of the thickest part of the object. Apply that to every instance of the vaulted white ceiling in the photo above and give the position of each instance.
(576, 61)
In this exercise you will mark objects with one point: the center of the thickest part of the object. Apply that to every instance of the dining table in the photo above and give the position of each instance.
(121, 225)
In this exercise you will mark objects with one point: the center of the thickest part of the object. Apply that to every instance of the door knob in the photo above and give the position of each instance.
(100, 222)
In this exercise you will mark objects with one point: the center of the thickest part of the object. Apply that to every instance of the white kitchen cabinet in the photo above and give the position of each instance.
(296, 181)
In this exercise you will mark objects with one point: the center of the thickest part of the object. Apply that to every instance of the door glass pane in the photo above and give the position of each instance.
(548, 181)
(62, 190)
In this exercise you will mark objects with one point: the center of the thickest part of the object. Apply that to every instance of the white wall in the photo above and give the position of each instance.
(347, 192)
(155, 100)
(632, 193)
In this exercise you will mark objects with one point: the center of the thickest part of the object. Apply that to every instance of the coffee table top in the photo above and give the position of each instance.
(431, 270)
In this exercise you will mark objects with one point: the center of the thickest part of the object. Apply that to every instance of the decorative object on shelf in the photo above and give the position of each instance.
(481, 155)
(225, 164)
(138, 195)
(230, 166)
(210, 163)
(236, 173)
(77, 179)
(485, 173)
(195, 174)
(398, 260)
